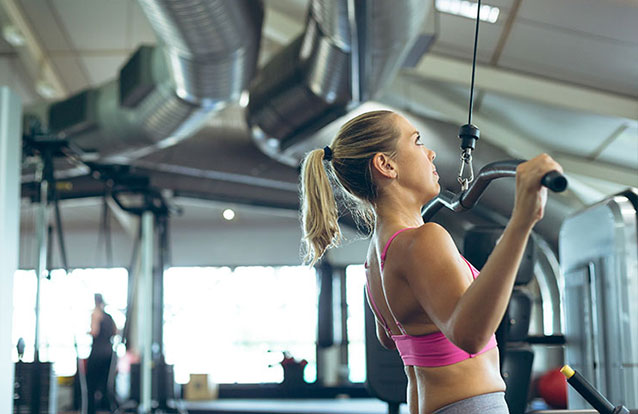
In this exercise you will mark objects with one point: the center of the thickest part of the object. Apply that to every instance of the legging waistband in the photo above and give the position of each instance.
(492, 403)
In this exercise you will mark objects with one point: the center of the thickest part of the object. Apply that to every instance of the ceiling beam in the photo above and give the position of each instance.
(500, 46)
(407, 93)
(534, 88)
(505, 33)
(609, 140)
(598, 170)
(33, 55)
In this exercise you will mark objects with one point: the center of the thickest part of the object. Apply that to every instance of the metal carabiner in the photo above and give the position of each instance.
(466, 158)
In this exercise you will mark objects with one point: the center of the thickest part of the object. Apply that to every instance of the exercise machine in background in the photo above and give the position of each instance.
(599, 256)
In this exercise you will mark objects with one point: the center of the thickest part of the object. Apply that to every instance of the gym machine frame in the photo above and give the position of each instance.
(154, 212)
(46, 148)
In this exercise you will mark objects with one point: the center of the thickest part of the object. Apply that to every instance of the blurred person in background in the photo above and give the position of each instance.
(99, 362)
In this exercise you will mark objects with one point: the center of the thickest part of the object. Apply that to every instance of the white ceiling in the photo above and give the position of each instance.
(589, 47)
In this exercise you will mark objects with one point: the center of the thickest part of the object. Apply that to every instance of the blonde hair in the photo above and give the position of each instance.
(350, 169)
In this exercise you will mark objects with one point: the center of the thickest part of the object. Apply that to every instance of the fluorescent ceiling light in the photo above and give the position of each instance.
(467, 9)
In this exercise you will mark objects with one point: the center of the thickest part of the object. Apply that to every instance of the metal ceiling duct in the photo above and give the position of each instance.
(206, 58)
(349, 51)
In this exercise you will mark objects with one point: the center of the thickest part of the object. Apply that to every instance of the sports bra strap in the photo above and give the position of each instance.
(385, 248)
(383, 254)
(369, 292)
(401, 328)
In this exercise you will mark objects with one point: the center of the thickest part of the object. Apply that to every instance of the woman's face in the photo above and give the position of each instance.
(416, 168)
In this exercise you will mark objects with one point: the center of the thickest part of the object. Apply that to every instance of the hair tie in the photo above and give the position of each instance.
(327, 153)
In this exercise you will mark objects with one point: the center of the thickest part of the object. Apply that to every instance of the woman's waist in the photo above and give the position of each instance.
(439, 386)
(485, 365)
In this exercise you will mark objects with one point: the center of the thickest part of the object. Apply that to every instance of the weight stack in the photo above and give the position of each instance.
(34, 388)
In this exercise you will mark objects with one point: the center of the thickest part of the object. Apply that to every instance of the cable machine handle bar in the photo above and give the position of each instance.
(553, 180)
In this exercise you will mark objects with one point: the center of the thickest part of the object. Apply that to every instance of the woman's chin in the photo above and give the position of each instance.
(432, 195)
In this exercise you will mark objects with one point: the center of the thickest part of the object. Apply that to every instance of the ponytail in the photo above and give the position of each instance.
(349, 169)
(318, 208)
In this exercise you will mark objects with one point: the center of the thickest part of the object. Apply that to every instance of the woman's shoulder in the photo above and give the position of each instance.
(429, 233)
(430, 240)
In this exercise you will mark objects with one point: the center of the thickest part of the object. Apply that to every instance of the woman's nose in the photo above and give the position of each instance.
(432, 155)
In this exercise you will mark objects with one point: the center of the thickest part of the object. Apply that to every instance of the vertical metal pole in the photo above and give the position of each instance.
(42, 222)
(144, 314)
(160, 386)
(42, 237)
(598, 366)
(343, 360)
(10, 154)
(158, 288)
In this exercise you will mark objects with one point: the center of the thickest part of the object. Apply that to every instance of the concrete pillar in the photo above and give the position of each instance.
(10, 154)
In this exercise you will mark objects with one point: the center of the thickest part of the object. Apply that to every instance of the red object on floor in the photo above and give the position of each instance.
(552, 387)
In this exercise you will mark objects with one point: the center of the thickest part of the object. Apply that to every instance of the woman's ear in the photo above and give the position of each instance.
(384, 165)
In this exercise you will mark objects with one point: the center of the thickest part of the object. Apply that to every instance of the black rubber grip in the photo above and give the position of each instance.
(589, 393)
(555, 181)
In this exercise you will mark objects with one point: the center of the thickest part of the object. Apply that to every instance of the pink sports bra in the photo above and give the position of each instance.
(432, 350)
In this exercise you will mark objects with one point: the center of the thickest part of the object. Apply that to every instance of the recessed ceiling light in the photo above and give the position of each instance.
(467, 9)
(228, 214)
(13, 36)
(45, 89)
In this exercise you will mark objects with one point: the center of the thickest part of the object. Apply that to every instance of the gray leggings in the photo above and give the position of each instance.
(492, 403)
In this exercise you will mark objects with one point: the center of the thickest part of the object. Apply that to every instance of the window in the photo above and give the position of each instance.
(234, 324)
(355, 297)
(66, 302)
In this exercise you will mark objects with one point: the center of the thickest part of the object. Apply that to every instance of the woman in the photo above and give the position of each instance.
(99, 362)
(427, 299)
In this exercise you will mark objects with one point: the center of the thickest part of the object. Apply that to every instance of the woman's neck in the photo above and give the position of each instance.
(397, 213)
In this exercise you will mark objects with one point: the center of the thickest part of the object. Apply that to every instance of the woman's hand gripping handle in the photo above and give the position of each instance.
(533, 177)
